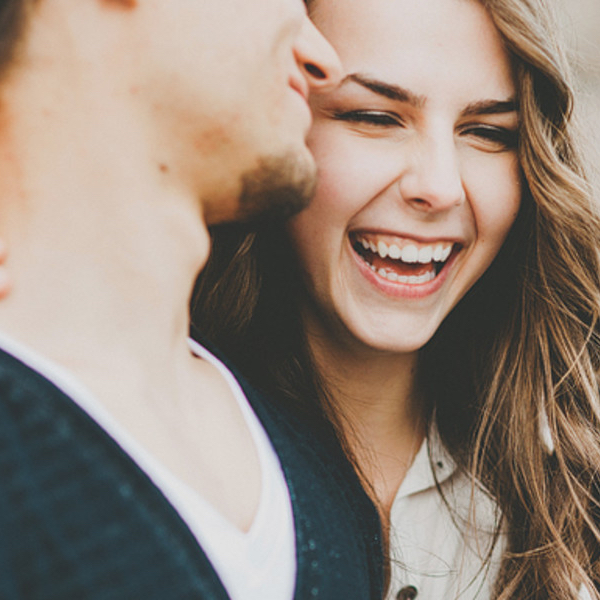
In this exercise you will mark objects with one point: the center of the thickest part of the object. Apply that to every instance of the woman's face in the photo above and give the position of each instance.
(419, 179)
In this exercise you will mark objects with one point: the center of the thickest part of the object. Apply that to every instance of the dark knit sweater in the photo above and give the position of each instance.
(338, 532)
(79, 520)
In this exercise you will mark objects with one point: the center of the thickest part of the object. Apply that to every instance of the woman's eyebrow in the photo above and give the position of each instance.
(388, 90)
(400, 94)
(491, 107)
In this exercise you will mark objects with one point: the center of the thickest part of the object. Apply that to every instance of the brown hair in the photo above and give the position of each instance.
(522, 348)
(13, 17)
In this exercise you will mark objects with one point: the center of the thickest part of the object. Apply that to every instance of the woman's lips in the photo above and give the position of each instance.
(401, 266)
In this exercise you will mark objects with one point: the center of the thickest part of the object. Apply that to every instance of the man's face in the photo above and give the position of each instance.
(228, 84)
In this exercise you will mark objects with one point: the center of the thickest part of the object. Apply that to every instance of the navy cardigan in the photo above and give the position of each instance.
(79, 520)
(338, 532)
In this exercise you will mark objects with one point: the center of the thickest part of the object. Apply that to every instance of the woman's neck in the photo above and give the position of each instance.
(378, 405)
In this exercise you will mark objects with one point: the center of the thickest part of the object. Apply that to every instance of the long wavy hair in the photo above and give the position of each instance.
(515, 395)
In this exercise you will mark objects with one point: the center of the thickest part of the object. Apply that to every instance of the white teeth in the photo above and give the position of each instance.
(409, 279)
(417, 279)
(425, 255)
(394, 252)
(382, 249)
(389, 275)
(410, 254)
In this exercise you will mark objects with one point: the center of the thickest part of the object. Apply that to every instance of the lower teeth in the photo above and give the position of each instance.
(410, 279)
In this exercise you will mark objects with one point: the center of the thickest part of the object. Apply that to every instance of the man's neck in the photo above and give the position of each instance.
(104, 248)
(111, 278)
(103, 190)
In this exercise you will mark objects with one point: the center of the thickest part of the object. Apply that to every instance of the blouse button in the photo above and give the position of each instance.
(408, 592)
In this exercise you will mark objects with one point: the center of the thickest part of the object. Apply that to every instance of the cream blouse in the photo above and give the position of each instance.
(435, 553)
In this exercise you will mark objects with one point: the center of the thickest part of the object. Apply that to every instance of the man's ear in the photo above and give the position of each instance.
(4, 275)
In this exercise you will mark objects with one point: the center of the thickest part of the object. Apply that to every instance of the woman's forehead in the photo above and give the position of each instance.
(424, 46)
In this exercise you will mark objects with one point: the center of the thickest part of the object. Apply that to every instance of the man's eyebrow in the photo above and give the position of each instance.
(388, 90)
(491, 107)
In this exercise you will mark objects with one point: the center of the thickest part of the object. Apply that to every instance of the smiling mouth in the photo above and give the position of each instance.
(402, 261)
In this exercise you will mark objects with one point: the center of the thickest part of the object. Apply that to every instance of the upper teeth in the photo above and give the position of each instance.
(410, 253)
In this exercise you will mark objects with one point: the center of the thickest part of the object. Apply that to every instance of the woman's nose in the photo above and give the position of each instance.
(317, 59)
(433, 182)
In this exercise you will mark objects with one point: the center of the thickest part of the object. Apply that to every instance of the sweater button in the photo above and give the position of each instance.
(408, 592)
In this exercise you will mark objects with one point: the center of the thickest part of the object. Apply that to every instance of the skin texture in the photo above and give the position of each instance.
(412, 149)
(122, 4)
(126, 131)
(4, 275)
(421, 170)
(520, 351)
(233, 130)
(241, 115)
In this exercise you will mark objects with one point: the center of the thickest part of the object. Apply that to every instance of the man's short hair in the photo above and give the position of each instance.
(12, 22)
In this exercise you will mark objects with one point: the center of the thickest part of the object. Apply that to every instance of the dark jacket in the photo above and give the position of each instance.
(80, 521)
(338, 532)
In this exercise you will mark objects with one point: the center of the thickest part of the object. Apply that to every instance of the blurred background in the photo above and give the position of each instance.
(581, 22)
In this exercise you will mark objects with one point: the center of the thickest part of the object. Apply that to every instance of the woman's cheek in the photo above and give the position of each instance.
(350, 176)
(494, 190)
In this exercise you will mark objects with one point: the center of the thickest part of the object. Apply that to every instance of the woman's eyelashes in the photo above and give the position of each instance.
(494, 138)
(374, 118)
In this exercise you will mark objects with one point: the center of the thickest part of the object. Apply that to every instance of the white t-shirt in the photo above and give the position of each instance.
(433, 547)
(256, 565)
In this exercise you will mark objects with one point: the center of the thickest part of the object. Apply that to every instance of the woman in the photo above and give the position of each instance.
(439, 300)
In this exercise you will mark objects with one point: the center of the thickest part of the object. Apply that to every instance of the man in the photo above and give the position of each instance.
(131, 465)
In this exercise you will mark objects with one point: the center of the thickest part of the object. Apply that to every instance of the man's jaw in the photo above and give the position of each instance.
(277, 189)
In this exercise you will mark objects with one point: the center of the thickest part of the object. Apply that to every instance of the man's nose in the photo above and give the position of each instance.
(317, 59)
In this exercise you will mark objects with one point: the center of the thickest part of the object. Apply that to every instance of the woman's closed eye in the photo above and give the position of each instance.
(493, 138)
(488, 137)
(373, 118)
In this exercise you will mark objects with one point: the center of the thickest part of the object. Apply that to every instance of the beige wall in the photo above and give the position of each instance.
(581, 20)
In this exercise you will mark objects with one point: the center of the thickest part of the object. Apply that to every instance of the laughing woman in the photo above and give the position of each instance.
(439, 301)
